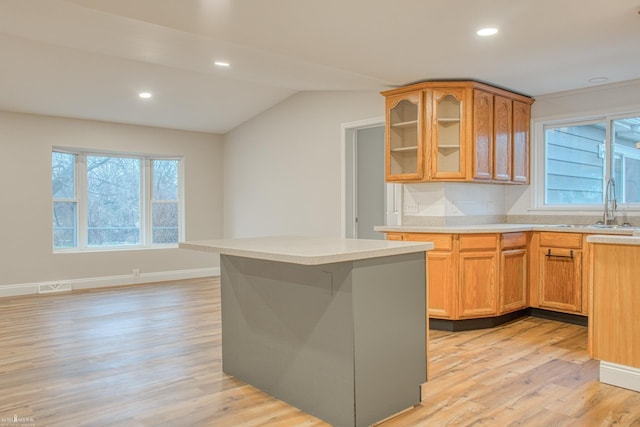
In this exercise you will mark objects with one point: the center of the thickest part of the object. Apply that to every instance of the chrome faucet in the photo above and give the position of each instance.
(610, 204)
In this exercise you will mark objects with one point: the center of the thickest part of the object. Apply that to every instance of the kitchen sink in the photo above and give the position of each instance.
(601, 226)
(614, 226)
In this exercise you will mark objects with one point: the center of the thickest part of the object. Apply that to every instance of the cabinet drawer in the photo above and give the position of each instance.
(441, 242)
(514, 240)
(394, 236)
(561, 240)
(471, 242)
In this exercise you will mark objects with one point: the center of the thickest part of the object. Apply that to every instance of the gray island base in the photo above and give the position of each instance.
(344, 341)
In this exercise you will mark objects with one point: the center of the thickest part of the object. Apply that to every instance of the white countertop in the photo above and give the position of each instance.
(307, 250)
(482, 228)
(505, 228)
(615, 240)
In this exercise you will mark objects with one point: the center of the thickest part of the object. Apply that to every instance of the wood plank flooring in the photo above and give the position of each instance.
(150, 355)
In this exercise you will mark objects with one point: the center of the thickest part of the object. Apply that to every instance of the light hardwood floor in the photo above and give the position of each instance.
(149, 355)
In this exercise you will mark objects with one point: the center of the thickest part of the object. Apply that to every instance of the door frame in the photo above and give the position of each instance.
(348, 179)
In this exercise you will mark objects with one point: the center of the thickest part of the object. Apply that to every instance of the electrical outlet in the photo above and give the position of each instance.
(136, 273)
(411, 208)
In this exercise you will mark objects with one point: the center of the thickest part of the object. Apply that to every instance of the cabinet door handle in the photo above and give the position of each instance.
(549, 254)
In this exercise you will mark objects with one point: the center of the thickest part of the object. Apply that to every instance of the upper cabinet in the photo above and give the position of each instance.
(446, 132)
(457, 131)
(404, 129)
(521, 123)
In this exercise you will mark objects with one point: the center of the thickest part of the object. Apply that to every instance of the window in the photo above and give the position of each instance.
(580, 157)
(165, 207)
(110, 200)
(65, 203)
(113, 200)
(626, 163)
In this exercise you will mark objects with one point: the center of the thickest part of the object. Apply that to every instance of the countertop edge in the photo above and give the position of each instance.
(489, 228)
(398, 248)
(614, 240)
(504, 228)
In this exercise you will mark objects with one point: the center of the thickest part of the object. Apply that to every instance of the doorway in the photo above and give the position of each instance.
(368, 201)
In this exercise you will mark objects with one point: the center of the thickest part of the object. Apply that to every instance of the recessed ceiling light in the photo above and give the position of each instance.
(222, 63)
(145, 95)
(487, 31)
(598, 80)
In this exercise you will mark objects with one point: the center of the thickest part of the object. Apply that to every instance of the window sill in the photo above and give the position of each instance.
(114, 249)
(587, 210)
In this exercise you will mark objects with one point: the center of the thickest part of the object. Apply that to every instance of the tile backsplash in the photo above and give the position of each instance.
(446, 203)
(453, 204)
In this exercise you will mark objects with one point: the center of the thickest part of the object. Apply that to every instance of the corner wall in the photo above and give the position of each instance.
(283, 167)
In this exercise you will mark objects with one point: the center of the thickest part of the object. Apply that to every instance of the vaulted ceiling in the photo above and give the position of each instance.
(90, 58)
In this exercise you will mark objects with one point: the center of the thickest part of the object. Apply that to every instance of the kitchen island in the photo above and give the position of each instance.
(335, 327)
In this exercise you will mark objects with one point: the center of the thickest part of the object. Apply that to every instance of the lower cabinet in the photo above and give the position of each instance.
(614, 324)
(513, 272)
(442, 273)
(491, 274)
(478, 270)
(559, 283)
(561, 279)
(474, 275)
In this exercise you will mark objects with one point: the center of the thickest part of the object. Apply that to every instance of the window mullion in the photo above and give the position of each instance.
(81, 196)
(609, 152)
(147, 202)
(181, 206)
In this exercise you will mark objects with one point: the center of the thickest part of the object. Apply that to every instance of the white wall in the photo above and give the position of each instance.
(25, 217)
(283, 168)
(596, 101)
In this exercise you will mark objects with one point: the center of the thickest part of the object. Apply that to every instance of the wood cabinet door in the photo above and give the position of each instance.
(614, 322)
(482, 151)
(513, 280)
(502, 131)
(478, 285)
(404, 142)
(560, 276)
(442, 273)
(520, 165)
(447, 133)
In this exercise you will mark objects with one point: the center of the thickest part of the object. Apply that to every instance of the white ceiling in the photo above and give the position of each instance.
(90, 58)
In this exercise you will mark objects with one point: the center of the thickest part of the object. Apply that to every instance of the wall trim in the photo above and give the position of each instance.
(102, 282)
(620, 375)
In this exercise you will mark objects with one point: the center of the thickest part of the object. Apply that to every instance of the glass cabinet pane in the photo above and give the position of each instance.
(448, 115)
(403, 138)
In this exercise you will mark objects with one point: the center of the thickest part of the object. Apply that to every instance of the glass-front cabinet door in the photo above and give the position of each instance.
(405, 149)
(447, 133)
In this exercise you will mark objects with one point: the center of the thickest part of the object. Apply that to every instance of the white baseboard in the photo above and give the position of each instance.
(101, 282)
(620, 375)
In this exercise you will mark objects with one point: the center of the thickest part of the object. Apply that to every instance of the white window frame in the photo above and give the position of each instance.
(540, 126)
(146, 202)
(69, 200)
(149, 200)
